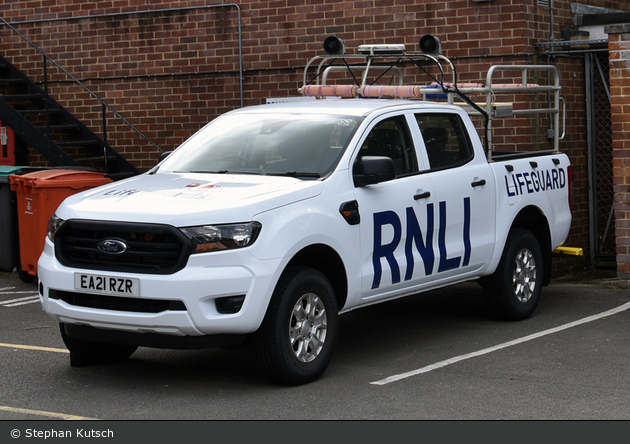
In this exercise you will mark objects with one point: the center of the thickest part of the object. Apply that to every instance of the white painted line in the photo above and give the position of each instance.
(17, 292)
(45, 414)
(485, 351)
(34, 301)
(20, 301)
(7, 288)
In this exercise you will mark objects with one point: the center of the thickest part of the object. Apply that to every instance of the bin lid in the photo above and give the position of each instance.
(62, 178)
(6, 171)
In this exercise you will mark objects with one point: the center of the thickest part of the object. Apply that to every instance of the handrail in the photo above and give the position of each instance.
(361, 68)
(320, 68)
(166, 10)
(78, 82)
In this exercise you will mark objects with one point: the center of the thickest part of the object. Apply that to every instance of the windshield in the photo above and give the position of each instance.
(300, 145)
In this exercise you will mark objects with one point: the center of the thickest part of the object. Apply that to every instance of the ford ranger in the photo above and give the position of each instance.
(273, 220)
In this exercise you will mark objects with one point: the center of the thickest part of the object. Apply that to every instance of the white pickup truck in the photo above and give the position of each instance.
(273, 220)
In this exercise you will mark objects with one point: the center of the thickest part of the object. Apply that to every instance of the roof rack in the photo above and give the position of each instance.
(379, 60)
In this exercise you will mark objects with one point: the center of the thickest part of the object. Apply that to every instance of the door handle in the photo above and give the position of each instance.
(478, 183)
(422, 195)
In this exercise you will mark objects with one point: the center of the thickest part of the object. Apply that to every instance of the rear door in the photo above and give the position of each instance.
(464, 191)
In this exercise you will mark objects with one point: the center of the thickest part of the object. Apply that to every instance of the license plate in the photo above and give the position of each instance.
(112, 285)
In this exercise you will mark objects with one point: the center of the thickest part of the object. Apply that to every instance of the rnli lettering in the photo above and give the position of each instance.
(414, 237)
(535, 181)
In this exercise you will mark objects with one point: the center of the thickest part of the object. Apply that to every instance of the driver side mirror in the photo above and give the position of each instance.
(369, 170)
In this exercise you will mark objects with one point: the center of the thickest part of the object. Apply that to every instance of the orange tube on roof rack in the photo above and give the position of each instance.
(390, 91)
(329, 91)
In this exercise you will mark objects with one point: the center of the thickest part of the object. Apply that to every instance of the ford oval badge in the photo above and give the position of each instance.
(112, 246)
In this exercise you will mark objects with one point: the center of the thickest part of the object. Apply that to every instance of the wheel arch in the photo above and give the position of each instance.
(327, 261)
(533, 219)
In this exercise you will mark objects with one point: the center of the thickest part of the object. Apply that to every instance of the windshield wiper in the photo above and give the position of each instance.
(296, 174)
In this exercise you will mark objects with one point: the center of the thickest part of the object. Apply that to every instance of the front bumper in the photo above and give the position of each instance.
(206, 278)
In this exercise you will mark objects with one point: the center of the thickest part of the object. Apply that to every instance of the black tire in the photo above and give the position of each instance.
(295, 342)
(513, 291)
(83, 352)
(25, 276)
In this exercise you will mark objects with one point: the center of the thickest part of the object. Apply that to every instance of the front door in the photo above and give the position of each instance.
(397, 216)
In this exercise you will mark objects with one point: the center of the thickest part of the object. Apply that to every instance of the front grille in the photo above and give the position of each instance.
(151, 248)
(117, 303)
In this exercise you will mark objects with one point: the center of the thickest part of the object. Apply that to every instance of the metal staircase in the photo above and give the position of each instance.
(50, 129)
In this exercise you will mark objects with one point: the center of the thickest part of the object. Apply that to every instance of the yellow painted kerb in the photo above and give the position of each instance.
(571, 251)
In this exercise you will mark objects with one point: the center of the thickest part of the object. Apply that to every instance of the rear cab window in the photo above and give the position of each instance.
(445, 138)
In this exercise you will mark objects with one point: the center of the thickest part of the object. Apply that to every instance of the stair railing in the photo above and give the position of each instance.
(105, 105)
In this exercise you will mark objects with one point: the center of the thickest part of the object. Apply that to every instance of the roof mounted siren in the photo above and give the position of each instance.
(430, 45)
(334, 45)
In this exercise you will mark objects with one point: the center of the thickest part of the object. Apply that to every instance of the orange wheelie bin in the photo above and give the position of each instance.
(38, 196)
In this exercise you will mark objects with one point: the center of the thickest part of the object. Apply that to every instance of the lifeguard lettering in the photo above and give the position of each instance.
(535, 181)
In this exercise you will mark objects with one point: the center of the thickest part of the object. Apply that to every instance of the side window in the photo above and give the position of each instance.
(391, 138)
(445, 139)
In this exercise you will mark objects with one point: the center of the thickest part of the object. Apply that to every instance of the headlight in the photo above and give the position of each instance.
(222, 237)
(54, 223)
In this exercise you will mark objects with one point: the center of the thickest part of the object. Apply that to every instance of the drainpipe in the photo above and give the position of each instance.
(552, 38)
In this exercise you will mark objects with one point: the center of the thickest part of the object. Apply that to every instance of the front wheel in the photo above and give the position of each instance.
(513, 291)
(294, 344)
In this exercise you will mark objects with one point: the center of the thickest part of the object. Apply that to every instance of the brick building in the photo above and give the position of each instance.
(153, 72)
(619, 44)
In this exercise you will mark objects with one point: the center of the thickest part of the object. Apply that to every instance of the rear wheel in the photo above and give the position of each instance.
(513, 291)
(294, 344)
(83, 352)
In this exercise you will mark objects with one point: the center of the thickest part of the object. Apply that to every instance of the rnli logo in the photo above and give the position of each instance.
(112, 246)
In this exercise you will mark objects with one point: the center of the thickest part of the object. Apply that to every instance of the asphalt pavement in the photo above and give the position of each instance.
(434, 356)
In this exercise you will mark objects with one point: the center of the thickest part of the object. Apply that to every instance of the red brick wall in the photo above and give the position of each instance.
(619, 46)
(170, 72)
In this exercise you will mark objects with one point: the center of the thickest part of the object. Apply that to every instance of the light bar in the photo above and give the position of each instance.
(382, 49)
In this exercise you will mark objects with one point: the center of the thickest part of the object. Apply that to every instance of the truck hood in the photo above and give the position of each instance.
(187, 199)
